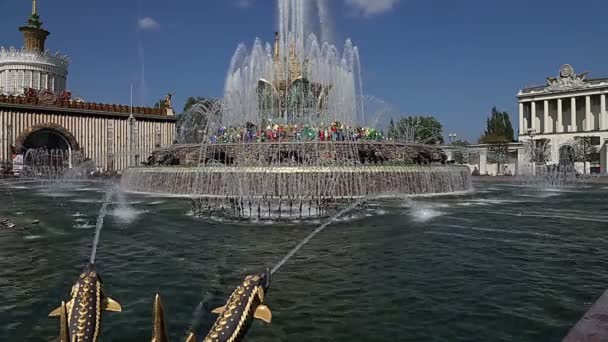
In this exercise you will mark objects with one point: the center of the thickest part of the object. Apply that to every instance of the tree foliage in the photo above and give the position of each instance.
(498, 154)
(160, 104)
(498, 129)
(421, 129)
(584, 151)
(191, 101)
(192, 124)
(462, 143)
(540, 151)
(460, 153)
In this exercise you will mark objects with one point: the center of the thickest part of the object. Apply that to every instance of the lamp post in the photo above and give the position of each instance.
(532, 133)
(130, 140)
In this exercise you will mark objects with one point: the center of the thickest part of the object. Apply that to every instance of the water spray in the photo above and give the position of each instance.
(102, 214)
(310, 236)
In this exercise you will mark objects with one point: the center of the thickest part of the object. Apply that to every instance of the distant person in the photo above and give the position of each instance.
(475, 172)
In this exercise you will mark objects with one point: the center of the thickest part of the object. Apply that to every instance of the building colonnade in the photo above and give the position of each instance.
(578, 113)
(15, 81)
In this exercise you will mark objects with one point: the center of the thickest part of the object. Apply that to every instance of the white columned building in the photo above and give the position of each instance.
(570, 114)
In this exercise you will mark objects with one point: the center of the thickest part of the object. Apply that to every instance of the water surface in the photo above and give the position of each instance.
(503, 263)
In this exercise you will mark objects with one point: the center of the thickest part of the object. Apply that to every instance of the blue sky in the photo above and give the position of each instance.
(451, 59)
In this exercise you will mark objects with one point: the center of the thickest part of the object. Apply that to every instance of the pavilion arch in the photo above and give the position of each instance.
(46, 135)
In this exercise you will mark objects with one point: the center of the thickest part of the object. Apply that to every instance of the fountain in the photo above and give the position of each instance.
(290, 137)
(543, 175)
(55, 165)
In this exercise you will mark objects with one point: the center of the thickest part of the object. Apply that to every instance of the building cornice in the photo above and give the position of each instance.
(482, 146)
(578, 133)
(566, 83)
(97, 113)
(541, 96)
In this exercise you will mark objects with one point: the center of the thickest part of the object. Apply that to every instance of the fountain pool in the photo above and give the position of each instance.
(504, 262)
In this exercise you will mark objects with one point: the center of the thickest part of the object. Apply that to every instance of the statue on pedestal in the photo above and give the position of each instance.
(168, 100)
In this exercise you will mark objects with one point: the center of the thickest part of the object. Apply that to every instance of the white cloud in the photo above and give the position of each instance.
(371, 7)
(147, 23)
(244, 3)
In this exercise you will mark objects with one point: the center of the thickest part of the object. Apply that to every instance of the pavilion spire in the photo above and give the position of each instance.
(34, 19)
(34, 36)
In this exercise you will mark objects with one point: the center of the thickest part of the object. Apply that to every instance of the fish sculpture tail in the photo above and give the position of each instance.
(159, 330)
(64, 330)
(191, 337)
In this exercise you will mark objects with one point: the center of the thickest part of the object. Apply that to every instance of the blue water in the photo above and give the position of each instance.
(503, 263)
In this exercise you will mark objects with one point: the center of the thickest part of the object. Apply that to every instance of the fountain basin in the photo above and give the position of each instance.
(297, 181)
(315, 177)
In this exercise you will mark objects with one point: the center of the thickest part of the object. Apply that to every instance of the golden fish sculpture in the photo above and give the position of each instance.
(244, 305)
(80, 317)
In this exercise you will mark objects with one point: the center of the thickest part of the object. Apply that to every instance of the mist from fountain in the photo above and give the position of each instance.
(56, 165)
(291, 138)
(541, 174)
(292, 192)
(266, 82)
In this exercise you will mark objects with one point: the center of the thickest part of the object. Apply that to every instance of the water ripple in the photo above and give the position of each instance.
(502, 268)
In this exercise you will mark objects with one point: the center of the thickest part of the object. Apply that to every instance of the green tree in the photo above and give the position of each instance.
(584, 151)
(499, 133)
(191, 101)
(193, 123)
(540, 151)
(462, 143)
(392, 130)
(460, 153)
(421, 129)
(498, 128)
(498, 153)
(160, 104)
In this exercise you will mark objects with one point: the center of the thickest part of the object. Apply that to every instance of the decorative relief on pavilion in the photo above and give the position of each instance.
(567, 80)
(63, 99)
(47, 97)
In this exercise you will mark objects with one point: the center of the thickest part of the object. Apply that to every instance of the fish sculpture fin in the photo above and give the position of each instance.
(110, 304)
(64, 335)
(219, 311)
(263, 313)
(159, 332)
(57, 312)
(191, 338)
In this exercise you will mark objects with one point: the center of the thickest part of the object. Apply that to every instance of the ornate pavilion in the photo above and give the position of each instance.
(32, 66)
(38, 113)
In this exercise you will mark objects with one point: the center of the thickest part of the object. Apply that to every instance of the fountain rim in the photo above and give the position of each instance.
(361, 168)
(302, 142)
